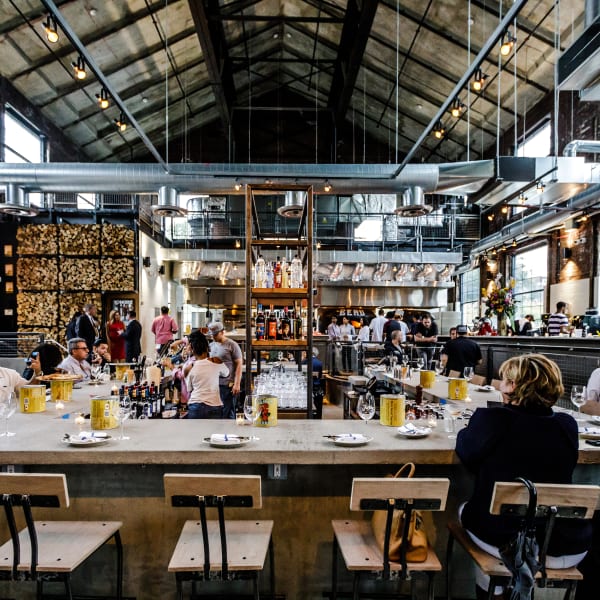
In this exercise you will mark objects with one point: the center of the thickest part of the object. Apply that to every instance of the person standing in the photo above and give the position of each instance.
(202, 381)
(558, 322)
(460, 352)
(114, 330)
(231, 355)
(132, 336)
(163, 328)
(333, 330)
(333, 333)
(376, 326)
(347, 333)
(87, 326)
(364, 331)
(426, 338)
(397, 324)
(76, 362)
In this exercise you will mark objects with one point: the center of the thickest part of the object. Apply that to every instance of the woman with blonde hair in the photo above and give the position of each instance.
(114, 330)
(524, 437)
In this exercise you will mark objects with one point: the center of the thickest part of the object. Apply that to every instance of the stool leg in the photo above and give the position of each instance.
(272, 568)
(179, 587)
(119, 546)
(571, 589)
(355, 585)
(40, 588)
(334, 569)
(68, 590)
(449, 549)
(255, 586)
(430, 586)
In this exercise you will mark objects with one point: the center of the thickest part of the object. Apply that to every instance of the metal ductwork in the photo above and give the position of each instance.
(572, 148)
(168, 205)
(17, 202)
(294, 204)
(411, 203)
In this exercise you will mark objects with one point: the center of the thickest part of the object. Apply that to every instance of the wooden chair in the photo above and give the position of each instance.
(224, 549)
(355, 540)
(49, 550)
(496, 384)
(454, 374)
(553, 502)
(478, 380)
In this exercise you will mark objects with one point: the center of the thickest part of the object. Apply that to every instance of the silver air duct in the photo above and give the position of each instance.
(294, 205)
(591, 146)
(411, 203)
(167, 203)
(17, 202)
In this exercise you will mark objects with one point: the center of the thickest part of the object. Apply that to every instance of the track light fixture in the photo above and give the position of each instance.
(540, 186)
(522, 198)
(79, 68)
(103, 100)
(514, 243)
(478, 80)
(490, 217)
(327, 186)
(438, 131)
(508, 43)
(457, 108)
(51, 29)
(237, 186)
(121, 123)
(504, 209)
(584, 217)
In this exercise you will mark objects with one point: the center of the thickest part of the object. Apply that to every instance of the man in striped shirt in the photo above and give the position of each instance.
(558, 321)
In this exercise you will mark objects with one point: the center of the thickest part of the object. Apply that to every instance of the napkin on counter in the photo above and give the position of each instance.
(225, 437)
(410, 429)
(86, 435)
(349, 436)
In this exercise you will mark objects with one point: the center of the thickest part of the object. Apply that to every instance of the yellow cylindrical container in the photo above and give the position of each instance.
(120, 369)
(392, 410)
(103, 412)
(427, 379)
(265, 411)
(458, 389)
(32, 398)
(61, 390)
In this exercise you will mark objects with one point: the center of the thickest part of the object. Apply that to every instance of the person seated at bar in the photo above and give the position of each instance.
(527, 326)
(100, 354)
(460, 352)
(522, 438)
(76, 362)
(11, 380)
(393, 346)
(45, 358)
(592, 394)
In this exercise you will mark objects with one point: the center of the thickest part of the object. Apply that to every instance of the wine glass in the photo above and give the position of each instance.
(438, 367)
(123, 410)
(468, 373)
(7, 410)
(95, 373)
(249, 411)
(578, 396)
(365, 407)
(405, 359)
(420, 362)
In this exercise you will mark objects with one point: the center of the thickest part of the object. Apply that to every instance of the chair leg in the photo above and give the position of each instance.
(355, 585)
(449, 549)
(571, 590)
(334, 569)
(272, 568)
(494, 581)
(119, 546)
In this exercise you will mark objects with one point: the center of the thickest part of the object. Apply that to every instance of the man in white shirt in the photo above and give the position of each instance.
(76, 362)
(10, 380)
(347, 333)
(333, 329)
(376, 326)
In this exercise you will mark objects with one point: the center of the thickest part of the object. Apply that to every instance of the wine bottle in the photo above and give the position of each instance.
(260, 324)
(272, 325)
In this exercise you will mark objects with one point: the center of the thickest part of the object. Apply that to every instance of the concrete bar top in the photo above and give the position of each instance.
(39, 436)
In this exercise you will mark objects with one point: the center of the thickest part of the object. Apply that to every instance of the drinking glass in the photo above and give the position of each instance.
(455, 411)
(249, 408)
(578, 396)
(7, 410)
(405, 360)
(468, 373)
(366, 407)
(420, 363)
(123, 413)
(95, 373)
(438, 367)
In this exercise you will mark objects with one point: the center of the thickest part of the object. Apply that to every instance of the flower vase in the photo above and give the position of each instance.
(502, 325)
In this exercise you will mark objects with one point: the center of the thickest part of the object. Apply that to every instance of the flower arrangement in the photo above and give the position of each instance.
(500, 301)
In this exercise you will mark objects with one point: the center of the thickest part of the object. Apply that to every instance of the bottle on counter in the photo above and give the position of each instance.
(269, 276)
(260, 323)
(260, 273)
(272, 325)
(277, 273)
(296, 272)
(285, 279)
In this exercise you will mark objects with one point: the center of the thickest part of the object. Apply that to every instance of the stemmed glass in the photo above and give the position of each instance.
(123, 412)
(578, 396)
(366, 407)
(95, 373)
(420, 363)
(468, 373)
(249, 411)
(7, 410)
(455, 411)
(438, 367)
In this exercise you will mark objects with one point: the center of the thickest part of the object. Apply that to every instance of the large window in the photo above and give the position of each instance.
(21, 142)
(470, 294)
(536, 144)
(530, 269)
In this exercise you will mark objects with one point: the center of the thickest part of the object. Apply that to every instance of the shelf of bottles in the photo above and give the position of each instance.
(279, 288)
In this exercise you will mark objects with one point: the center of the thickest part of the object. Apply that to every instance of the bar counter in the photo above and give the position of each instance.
(122, 480)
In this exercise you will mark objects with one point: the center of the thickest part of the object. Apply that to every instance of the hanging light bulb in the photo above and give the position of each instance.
(102, 98)
(540, 186)
(508, 43)
(79, 68)
(51, 29)
(522, 198)
(121, 123)
(237, 186)
(504, 210)
(490, 217)
(439, 132)
(478, 80)
(327, 186)
(457, 108)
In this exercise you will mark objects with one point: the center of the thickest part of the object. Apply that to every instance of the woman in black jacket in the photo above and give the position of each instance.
(525, 438)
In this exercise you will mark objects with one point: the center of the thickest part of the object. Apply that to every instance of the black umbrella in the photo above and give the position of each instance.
(520, 555)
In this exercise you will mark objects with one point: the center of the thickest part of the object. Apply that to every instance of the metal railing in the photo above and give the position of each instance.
(19, 344)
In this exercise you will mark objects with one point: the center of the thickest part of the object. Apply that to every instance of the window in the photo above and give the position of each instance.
(21, 143)
(470, 294)
(530, 269)
(537, 144)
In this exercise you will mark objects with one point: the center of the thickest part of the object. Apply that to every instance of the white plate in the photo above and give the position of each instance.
(90, 441)
(349, 439)
(486, 388)
(589, 433)
(411, 431)
(235, 441)
(594, 419)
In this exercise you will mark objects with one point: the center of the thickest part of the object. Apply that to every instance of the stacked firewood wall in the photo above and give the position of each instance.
(61, 267)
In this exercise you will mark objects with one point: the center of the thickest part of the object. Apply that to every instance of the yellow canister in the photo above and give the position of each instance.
(103, 412)
(392, 410)
(32, 398)
(120, 369)
(427, 379)
(61, 390)
(458, 389)
(265, 410)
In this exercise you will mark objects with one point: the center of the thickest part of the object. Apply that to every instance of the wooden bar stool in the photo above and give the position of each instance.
(478, 380)
(222, 549)
(554, 501)
(49, 550)
(355, 540)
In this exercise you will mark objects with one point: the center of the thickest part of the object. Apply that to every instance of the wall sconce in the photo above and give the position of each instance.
(508, 42)
(51, 29)
(327, 186)
(121, 123)
(238, 244)
(457, 108)
(79, 68)
(478, 80)
(161, 270)
(237, 186)
(438, 131)
(102, 97)
(146, 261)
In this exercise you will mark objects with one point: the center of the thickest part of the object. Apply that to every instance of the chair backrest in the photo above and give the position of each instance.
(496, 384)
(424, 493)
(478, 380)
(571, 500)
(237, 490)
(454, 374)
(43, 489)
